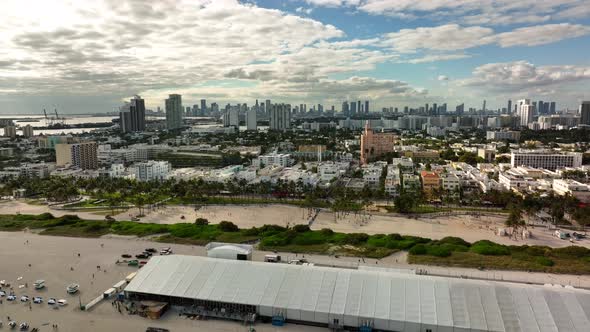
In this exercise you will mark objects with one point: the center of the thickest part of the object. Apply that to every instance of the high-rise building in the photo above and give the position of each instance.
(352, 108)
(10, 131)
(345, 109)
(251, 123)
(132, 115)
(204, 107)
(320, 108)
(434, 109)
(195, 110)
(267, 107)
(509, 109)
(460, 109)
(231, 117)
(82, 155)
(526, 114)
(214, 108)
(28, 131)
(483, 108)
(174, 112)
(541, 108)
(280, 117)
(375, 144)
(358, 106)
(585, 113)
(366, 106)
(552, 108)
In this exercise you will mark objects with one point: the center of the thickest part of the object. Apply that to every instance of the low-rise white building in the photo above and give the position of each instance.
(151, 170)
(577, 189)
(273, 159)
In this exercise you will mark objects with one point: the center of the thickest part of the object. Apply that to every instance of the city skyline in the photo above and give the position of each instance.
(91, 57)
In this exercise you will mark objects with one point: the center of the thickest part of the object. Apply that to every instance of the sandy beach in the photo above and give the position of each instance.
(467, 227)
(56, 260)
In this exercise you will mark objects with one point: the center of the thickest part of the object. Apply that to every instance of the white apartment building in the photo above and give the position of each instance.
(331, 170)
(273, 159)
(450, 182)
(372, 173)
(151, 170)
(546, 159)
(577, 189)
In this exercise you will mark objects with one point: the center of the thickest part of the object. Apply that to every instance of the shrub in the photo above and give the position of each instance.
(488, 248)
(301, 228)
(454, 241)
(228, 226)
(327, 232)
(356, 238)
(419, 249)
(544, 261)
(438, 251)
(572, 251)
(45, 216)
(536, 250)
(201, 222)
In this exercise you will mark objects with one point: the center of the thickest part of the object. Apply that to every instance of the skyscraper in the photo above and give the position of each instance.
(132, 115)
(280, 117)
(367, 106)
(358, 106)
(585, 113)
(267, 107)
(251, 119)
(82, 155)
(345, 109)
(460, 109)
(526, 114)
(174, 112)
(434, 109)
(509, 109)
(552, 108)
(352, 108)
(484, 106)
(203, 107)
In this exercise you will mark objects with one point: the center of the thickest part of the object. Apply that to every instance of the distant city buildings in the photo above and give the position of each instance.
(231, 117)
(28, 131)
(280, 117)
(10, 131)
(81, 155)
(546, 159)
(174, 112)
(509, 135)
(132, 116)
(251, 118)
(375, 144)
(585, 113)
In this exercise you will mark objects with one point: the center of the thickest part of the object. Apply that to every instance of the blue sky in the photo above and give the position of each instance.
(90, 57)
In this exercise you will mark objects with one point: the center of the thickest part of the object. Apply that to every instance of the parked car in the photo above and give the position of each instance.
(141, 256)
(24, 326)
(24, 298)
(62, 302)
(12, 324)
(166, 251)
(126, 256)
(152, 250)
(149, 254)
(2, 293)
(11, 297)
(39, 284)
(72, 288)
(51, 301)
(38, 299)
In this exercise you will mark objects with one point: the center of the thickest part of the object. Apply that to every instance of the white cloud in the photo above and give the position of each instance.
(473, 12)
(451, 37)
(304, 10)
(444, 38)
(443, 78)
(524, 76)
(436, 57)
(542, 34)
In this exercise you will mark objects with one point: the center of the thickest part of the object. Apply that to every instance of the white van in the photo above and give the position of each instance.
(272, 258)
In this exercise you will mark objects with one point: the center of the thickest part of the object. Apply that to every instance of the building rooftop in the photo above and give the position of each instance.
(393, 301)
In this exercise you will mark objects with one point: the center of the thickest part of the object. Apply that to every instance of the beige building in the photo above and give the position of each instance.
(374, 144)
(81, 155)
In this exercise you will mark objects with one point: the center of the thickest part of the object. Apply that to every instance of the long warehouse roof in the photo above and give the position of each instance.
(387, 298)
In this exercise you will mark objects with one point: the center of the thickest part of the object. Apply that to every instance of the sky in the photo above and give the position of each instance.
(91, 56)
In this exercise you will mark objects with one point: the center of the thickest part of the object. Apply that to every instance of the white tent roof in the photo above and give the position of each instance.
(359, 295)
